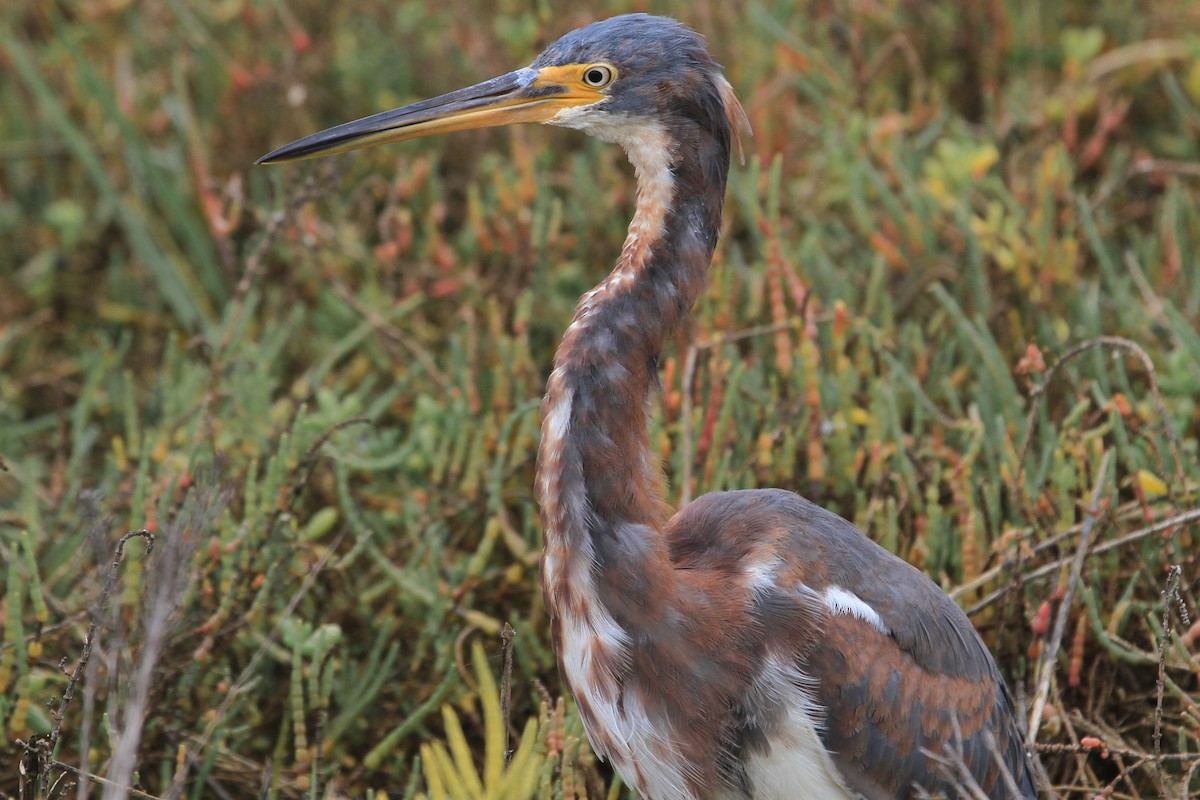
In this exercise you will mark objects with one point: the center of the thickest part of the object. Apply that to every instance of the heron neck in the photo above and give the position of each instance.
(599, 482)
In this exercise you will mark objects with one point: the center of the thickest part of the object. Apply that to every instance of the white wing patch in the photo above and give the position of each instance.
(842, 601)
(760, 575)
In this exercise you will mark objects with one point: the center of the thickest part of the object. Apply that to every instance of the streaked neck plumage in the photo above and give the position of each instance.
(599, 483)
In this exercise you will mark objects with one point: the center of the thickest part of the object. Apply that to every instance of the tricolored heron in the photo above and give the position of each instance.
(753, 645)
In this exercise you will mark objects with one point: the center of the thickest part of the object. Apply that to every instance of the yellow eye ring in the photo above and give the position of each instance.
(597, 76)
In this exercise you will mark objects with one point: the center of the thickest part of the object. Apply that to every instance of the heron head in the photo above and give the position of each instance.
(617, 79)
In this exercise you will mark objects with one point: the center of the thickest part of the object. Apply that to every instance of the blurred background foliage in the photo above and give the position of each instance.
(318, 385)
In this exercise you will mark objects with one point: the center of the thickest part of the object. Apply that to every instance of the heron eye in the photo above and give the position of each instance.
(598, 76)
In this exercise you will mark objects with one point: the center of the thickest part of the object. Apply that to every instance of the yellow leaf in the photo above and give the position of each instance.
(463, 766)
(860, 416)
(1151, 485)
(1191, 84)
(983, 159)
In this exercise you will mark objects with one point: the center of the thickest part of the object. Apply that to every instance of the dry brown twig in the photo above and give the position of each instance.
(38, 756)
(1186, 518)
(1050, 654)
(1171, 592)
(166, 585)
(507, 637)
(1137, 54)
(1120, 755)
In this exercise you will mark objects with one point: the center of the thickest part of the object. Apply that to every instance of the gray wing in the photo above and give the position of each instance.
(920, 703)
(905, 684)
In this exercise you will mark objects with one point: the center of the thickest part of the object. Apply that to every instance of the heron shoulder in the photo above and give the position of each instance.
(890, 667)
(778, 536)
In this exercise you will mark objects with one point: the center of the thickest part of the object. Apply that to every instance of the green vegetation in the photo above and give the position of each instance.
(317, 386)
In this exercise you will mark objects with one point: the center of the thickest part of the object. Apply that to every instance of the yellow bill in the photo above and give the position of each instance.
(524, 95)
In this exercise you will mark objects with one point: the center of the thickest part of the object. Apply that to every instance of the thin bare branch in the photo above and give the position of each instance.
(1050, 654)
